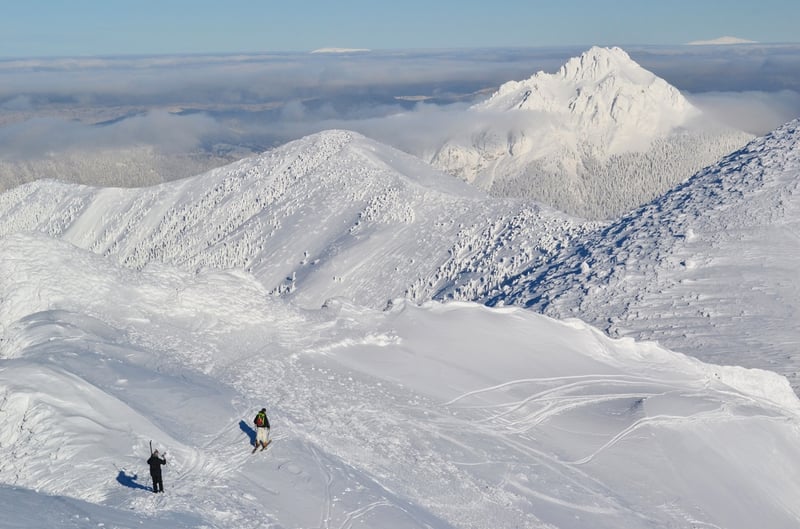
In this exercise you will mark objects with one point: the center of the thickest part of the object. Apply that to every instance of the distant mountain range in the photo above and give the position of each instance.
(596, 139)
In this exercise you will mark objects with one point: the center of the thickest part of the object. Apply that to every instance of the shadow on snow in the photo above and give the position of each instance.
(249, 431)
(129, 480)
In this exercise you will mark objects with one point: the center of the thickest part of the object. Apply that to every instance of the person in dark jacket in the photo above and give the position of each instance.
(262, 429)
(155, 463)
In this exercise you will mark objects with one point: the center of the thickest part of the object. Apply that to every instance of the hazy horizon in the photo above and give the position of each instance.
(223, 107)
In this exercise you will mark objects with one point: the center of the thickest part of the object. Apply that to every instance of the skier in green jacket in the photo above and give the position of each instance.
(262, 429)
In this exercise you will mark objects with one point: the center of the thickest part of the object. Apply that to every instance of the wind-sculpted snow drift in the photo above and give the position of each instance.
(435, 416)
(596, 139)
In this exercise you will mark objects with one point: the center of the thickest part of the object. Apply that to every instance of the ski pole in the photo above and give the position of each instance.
(152, 485)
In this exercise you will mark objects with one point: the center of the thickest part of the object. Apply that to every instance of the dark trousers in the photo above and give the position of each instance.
(158, 485)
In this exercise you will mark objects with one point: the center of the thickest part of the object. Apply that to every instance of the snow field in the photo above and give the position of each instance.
(442, 415)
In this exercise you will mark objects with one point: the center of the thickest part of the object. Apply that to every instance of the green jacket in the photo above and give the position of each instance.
(264, 419)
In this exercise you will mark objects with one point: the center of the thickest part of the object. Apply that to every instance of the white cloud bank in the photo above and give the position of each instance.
(752, 111)
(46, 136)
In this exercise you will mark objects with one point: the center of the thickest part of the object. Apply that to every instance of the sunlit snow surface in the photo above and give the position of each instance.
(173, 313)
(441, 415)
(708, 269)
(332, 214)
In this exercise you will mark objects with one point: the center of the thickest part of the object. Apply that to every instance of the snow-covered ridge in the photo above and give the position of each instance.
(708, 268)
(338, 215)
(597, 138)
(333, 214)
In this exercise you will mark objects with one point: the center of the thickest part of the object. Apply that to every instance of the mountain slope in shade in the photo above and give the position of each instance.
(599, 137)
(709, 269)
(333, 214)
(439, 416)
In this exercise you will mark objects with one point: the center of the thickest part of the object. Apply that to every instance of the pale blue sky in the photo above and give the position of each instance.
(35, 28)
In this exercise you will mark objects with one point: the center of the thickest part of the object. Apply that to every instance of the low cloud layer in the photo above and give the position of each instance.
(750, 111)
(412, 100)
(45, 136)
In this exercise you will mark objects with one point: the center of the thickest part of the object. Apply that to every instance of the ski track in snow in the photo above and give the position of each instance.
(402, 451)
(382, 434)
(353, 444)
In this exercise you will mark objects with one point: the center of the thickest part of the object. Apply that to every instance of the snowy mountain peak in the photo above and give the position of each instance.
(597, 63)
(601, 122)
(603, 88)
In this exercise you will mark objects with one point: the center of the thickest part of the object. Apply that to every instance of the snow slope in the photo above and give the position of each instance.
(706, 270)
(333, 214)
(435, 416)
(709, 269)
(597, 138)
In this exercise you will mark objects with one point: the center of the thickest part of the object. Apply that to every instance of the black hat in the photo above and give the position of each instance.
(263, 409)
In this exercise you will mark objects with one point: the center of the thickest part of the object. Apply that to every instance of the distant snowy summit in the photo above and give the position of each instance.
(600, 136)
(341, 50)
(618, 104)
(721, 41)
